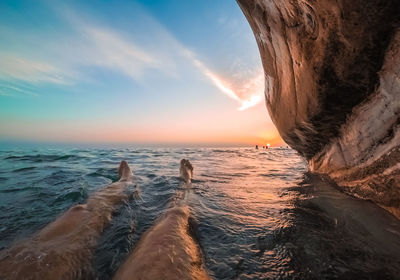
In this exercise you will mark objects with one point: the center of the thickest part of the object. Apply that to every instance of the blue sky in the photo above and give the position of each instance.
(130, 71)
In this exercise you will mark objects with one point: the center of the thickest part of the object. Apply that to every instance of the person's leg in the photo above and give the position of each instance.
(63, 249)
(186, 170)
(168, 250)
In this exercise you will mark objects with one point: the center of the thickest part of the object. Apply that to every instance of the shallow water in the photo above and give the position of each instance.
(259, 214)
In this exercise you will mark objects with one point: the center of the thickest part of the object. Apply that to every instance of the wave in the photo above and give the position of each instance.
(42, 158)
(24, 169)
(73, 196)
(104, 172)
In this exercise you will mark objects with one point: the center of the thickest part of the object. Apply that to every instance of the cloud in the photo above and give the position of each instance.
(96, 44)
(247, 91)
(126, 50)
(8, 89)
(17, 68)
(112, 50)
(251, 102)
(213, 77)
(128, 55)
(250, 89)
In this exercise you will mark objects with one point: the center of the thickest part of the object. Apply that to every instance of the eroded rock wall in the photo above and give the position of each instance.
(332, 87)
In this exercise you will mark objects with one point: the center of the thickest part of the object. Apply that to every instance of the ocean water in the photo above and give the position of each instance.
(259, 213)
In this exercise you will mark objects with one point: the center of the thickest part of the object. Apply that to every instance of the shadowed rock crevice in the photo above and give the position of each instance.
(332, 83)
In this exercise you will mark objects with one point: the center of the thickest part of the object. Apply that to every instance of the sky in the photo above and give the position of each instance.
(167, 72)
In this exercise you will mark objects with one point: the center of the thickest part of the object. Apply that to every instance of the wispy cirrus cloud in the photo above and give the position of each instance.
(13, 89)
(101, 44)
(109, 49)
(115, 50)
(98, 44)
(14, 67)
(247, 91)
(249, 88)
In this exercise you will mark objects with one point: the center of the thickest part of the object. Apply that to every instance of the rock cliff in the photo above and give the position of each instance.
(332, 87)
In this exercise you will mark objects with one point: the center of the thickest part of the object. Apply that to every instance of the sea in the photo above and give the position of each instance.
(259, 213)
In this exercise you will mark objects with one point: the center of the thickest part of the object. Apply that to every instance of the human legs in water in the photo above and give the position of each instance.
(168, 250)
(186, 171)
(63, 249)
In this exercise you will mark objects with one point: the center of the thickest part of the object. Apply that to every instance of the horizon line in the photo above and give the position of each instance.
(20, 142)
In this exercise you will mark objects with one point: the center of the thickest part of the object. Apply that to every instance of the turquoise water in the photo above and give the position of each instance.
(259, 214)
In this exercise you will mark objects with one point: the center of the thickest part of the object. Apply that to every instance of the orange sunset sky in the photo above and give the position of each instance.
(157, 72)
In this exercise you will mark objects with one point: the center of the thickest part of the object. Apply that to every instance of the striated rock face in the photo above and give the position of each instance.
(332, 87)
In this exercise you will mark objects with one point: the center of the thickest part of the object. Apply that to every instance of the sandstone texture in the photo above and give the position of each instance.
(332, 87)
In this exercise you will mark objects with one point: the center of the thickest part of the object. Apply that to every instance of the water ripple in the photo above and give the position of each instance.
(259, 214)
